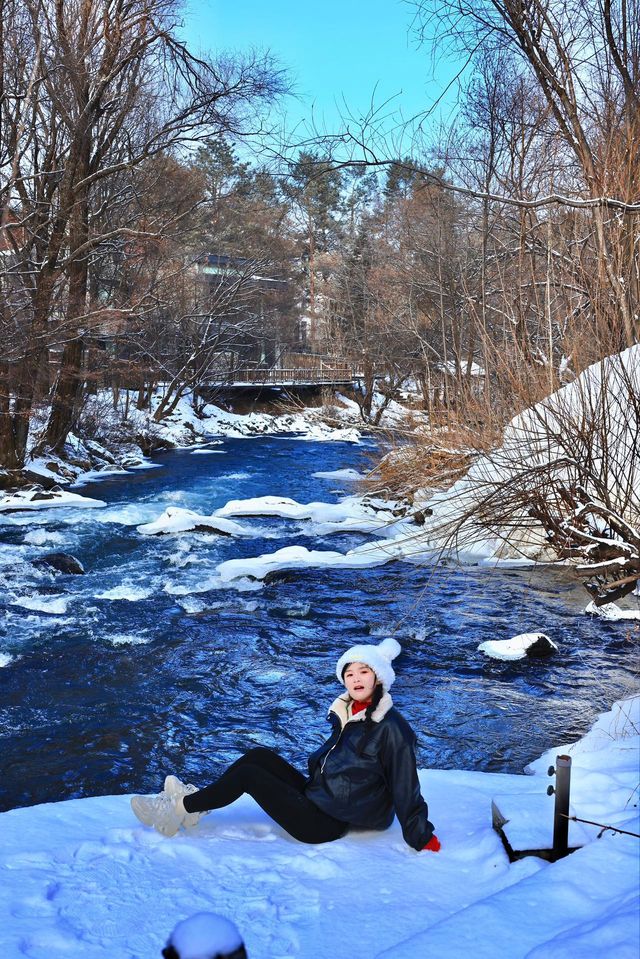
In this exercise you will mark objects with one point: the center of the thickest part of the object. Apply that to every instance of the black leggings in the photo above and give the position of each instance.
(278, 788)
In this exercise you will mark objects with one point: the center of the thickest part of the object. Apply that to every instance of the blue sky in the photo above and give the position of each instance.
(335, 51)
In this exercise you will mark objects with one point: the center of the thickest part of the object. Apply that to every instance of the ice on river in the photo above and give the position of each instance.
(299, 557)
(346, 474)
(88, 879)
(129, 639)
(38, 537)
(196, 584)
(612, 612)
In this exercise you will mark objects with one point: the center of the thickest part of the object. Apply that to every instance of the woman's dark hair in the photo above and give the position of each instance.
(378, 693)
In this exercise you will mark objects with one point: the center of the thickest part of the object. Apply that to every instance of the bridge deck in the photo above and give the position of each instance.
(321, 376)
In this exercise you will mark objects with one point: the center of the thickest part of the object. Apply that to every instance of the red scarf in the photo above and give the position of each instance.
(357, 707)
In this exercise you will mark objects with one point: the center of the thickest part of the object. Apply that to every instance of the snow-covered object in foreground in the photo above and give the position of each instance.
(206, 935)
(611, 612)
(178, 520)
(34, 499)
(585, 905)
(76, 865)
(519, 647)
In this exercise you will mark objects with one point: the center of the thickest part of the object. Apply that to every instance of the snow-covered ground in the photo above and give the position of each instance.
(84, 878)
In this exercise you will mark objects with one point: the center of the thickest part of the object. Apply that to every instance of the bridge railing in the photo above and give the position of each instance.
(292, 376)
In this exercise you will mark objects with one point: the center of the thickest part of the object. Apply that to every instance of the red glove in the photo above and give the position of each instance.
(433, 845)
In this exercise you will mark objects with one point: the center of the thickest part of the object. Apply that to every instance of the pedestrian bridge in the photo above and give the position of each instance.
(297, 378)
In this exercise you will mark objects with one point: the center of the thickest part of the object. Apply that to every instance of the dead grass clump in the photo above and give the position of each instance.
(420, 456)
(407, 467)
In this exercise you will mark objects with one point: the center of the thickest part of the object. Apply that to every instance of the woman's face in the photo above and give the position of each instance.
(360, 681)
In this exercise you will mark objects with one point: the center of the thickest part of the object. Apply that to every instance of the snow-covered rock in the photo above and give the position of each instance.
(61, 562)
(351, 514)
(178, 520)
(368, 555)
(351, 475)
(35, 500)
(533, 645)
(611, 612)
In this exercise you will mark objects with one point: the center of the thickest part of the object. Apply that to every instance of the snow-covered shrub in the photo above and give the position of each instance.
(564, 482)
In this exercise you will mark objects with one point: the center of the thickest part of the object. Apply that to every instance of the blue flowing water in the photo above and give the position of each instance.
(129, 681)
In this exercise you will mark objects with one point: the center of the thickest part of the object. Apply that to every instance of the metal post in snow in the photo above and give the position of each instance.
(562, 789)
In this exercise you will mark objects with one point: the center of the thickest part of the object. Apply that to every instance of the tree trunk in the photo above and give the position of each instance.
(67, 395)
(9, 457)
(68, 390)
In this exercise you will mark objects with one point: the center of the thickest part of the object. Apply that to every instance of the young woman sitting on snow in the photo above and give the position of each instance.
(361, 776)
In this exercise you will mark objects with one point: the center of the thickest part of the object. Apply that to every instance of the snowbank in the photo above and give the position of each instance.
(459, 520)
(183, 426)
(85, 878)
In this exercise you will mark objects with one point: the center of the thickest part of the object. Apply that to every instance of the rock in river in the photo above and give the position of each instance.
(62, 562)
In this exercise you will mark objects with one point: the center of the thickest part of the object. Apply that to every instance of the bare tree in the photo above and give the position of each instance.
(90, 90)
(585, 59)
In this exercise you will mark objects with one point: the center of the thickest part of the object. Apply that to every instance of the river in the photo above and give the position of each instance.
(110, 680)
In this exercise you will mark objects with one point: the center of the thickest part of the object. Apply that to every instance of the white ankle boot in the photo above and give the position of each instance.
(176, 791)
(161, 812)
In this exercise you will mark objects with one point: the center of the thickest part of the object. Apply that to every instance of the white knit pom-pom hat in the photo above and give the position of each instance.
(377, 657)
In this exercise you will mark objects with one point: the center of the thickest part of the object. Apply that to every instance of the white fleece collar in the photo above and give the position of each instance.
(342, 708)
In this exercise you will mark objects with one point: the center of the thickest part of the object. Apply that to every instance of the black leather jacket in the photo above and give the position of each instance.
(367, 771)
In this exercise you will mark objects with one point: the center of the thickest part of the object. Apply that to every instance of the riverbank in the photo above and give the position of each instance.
(87, 878)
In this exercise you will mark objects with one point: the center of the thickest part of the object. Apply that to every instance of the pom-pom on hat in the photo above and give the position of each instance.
(377, 657)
